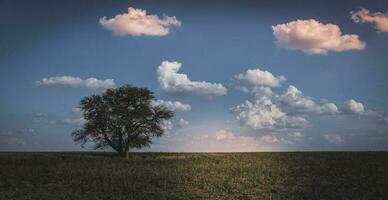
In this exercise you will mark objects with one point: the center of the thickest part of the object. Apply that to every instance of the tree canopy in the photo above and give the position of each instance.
(121, 118)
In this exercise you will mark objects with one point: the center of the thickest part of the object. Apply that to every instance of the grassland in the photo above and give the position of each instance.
(314, 175)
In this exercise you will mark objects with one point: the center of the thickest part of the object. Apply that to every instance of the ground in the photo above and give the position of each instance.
(308, 175)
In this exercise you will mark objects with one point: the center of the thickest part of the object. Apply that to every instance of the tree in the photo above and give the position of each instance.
(121, 118)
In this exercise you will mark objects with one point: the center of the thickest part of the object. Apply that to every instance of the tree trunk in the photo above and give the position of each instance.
(123, 154)
(126, 154)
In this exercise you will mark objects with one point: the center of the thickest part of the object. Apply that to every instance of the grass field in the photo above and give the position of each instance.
(314, 175)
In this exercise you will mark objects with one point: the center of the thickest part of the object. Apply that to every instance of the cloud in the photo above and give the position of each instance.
(295, 134)
(380, 20)
(136, 23)
(257, 77)
(353, 107)
(223, 135)
(39, 117)
(314, 37)
(263, 114)
(292, 122)
(76, 82)
(173, 105)
(222, 141)
(76, 121)
(258, 82)
(269, 139)
(287, 111)
(333, 138)
(16, 138)
(295, 102)
(75, 118)
(182, 122)
(172, 82)
(167, 125)
(284, 112)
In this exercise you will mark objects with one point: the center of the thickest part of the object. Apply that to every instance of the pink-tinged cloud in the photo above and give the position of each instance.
(314, 37)
(136, 23)
(380, 20)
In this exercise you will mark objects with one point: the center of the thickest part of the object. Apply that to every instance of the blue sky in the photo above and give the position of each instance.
(343, 64)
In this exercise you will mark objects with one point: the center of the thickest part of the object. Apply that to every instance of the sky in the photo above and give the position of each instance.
(240, 75)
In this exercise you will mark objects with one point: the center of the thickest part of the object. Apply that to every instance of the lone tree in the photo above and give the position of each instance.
(121, 118)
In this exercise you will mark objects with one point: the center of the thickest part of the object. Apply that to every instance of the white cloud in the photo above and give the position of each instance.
(257, 77)
(39, 117)
(76, 82)
(258, 82)
(380, 20)
(295, 134)
(283, 112)
(292, 122)
(172, 82)
(353, 107)
(294, 102)
(333, 138)
(166, 125)
(75, 118)
(263, 114)
(182, 122)
(76, 121)
(314, 37)
(173, 105)
(288, 111)
(136, 22)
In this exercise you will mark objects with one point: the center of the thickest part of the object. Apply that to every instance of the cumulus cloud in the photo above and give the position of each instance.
(173, 105)
(333, 138)
(295, 102)
(258, 82)
(353, 107)
(292, 122)
(314, 37)
(167, 125)
(380, 20)
(284, 112)
(263, 114)
(257, 77)
(75, 118)
(136, 22)
(175, 83)
(182, 122)
(76, 82)
(287, 111)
